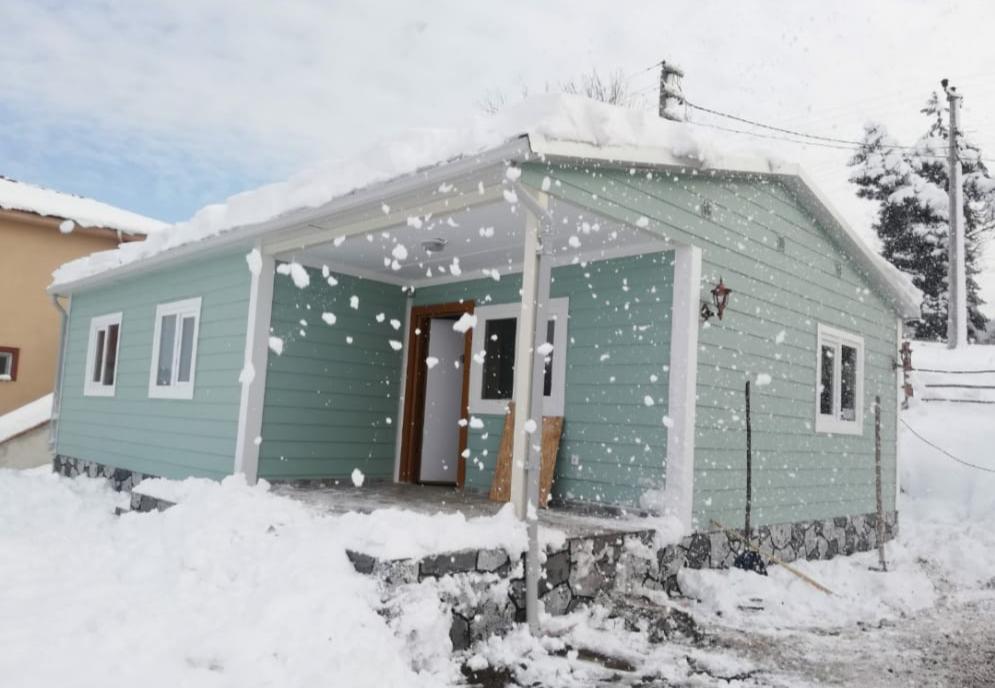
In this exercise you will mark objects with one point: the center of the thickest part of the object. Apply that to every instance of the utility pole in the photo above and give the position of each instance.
(671, 95)
(956, 269)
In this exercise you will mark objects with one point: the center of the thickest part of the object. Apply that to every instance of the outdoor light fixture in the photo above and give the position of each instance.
(435, 245)
(720, 299)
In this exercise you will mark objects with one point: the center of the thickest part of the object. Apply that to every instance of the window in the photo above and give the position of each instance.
(492, 375)
(840, 382)
(8, 363)
(174, 350)
(102, 356)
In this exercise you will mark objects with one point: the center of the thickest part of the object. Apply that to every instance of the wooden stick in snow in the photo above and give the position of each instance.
(777, 560)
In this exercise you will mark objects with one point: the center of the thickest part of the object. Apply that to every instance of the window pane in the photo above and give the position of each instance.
(848, 383)
(167, 340)
(110, 363)
(98, 356)
(499, 359)
(186, 350)
(5, 366)
(826, 393)
(547, 382)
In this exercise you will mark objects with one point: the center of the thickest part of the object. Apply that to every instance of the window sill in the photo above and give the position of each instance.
(171, 393)
(98, 392)
(830, 426)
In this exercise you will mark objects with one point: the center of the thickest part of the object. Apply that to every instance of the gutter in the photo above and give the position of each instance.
(59, 364)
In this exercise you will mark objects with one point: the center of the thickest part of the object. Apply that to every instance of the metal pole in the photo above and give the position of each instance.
(956, 269)
(877, 481)
(749, 463)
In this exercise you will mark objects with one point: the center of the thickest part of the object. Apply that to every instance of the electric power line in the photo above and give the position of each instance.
(945, 452)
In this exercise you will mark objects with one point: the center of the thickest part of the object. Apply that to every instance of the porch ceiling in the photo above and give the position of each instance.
(478, 240)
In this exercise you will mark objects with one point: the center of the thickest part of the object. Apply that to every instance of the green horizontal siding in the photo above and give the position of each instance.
(613, 444)
(798, 474)
(173, 438)
(331, 405)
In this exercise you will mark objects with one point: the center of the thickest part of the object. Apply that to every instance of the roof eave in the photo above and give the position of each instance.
(516, 150)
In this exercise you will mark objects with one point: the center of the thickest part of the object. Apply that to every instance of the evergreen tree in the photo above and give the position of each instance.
(911, 183)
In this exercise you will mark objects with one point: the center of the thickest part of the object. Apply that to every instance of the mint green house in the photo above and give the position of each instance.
(379, 317)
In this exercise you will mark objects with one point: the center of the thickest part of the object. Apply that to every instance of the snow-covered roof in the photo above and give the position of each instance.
(85, 212)
(24, 418)
(552, 126)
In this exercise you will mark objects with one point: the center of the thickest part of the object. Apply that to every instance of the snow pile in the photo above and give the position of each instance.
(85, 212)
(22, 419)
(233, 587)
(555, 117)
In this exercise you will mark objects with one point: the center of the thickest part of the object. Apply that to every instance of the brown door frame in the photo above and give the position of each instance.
(414, 389)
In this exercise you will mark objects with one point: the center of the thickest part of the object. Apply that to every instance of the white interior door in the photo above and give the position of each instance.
(443, 390)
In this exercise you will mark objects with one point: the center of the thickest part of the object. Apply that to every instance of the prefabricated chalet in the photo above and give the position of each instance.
(308, 329)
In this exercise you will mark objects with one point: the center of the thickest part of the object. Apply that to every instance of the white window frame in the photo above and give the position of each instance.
(97, 324)
(552, 405)
(832, 423)
(176, 389)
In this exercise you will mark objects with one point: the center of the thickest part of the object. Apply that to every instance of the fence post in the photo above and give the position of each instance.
(749, 463)
(877, 481)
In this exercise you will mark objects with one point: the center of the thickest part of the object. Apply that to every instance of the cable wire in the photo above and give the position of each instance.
(945, 452)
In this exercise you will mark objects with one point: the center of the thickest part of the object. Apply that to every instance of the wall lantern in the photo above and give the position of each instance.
(720, 299)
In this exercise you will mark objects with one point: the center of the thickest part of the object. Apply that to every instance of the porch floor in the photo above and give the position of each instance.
(573, 521)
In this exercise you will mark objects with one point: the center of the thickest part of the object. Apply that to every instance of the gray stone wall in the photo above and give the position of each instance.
(602, 567)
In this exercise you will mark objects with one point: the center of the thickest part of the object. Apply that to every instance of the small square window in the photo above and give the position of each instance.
(839, 394)
(492, 375)
(102, 356)
(8, 363)
(174, 350)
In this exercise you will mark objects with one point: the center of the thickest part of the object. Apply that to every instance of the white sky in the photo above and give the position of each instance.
(256, 89)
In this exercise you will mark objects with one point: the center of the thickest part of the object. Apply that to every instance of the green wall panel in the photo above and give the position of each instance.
(770, 327)
(332, 397)
(174, 438)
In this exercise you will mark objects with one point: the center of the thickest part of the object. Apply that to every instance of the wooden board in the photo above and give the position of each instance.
(552, 430)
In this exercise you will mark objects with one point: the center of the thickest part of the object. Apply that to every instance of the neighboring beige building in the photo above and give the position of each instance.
(41, 229)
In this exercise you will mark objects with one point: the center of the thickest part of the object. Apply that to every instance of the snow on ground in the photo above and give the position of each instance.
(26, 417)
(83, 211)
(234, 587)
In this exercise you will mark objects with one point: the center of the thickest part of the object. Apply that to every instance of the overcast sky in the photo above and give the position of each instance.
(161, 107)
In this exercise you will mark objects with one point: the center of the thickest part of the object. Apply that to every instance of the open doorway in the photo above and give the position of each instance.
(433, 440)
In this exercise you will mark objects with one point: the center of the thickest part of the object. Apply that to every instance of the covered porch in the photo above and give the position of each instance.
(388, 341)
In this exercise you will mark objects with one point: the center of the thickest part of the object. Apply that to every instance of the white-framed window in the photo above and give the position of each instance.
(102, 356)
(492, 372)
(839, 396)
(8, 363)
(174, 349)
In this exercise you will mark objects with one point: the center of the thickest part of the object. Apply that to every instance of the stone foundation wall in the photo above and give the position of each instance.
(121, 479)
(486, 588)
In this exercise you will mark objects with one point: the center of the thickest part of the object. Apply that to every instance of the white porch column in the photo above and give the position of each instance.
(529, 370)
(682, 397)
(253, 376)
(524, 360)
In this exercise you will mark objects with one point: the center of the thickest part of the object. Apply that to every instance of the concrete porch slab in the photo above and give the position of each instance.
(343, 496)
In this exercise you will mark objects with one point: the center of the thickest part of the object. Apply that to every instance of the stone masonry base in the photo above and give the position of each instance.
(485, 588)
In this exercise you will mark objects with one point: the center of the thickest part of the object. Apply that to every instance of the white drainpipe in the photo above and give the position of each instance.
(57, 388)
